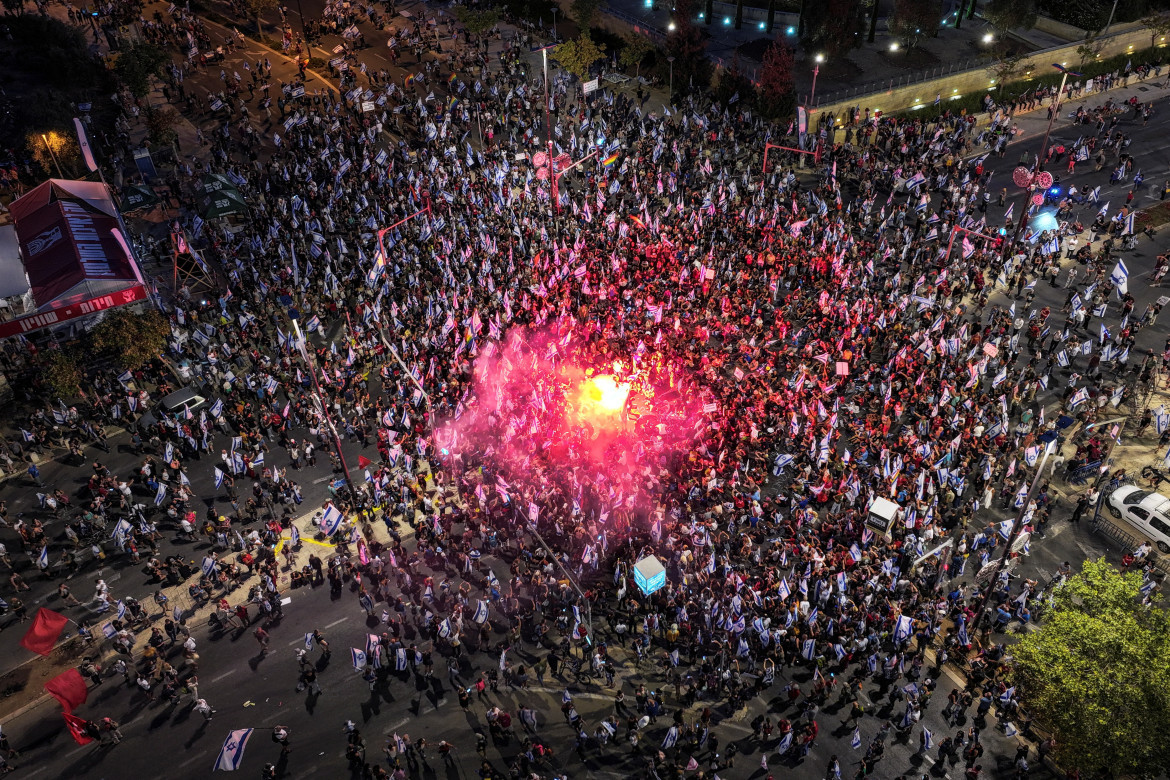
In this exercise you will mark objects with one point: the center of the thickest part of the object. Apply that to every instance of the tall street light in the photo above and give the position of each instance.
(547, 119)
(816, 69)
(671, 61)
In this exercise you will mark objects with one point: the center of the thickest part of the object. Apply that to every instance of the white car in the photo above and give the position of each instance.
(1145, 510)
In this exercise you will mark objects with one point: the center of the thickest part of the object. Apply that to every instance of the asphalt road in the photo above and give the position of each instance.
(249, 692)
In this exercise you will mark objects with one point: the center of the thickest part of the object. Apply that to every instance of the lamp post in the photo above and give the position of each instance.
(671, 61)
(307, 354)
(554, 29)
(52, 154)
(816, 69)
(547, 118)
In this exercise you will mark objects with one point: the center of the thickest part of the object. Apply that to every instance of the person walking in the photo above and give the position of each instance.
(280, 736)
(204, 709)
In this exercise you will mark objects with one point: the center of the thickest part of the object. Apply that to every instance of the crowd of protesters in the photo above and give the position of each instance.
(836, 348)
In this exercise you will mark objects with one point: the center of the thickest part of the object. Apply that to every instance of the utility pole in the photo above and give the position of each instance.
(321, 407)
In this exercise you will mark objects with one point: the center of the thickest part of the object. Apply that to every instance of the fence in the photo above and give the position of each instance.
(1127, 542)
(917, 77)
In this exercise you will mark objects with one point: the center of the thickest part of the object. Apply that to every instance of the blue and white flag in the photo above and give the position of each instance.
(294, 536)
(208, 565)
(218, 478)
(808, 649)
(927, 739)
(1007, 695)
(1120, 278)
(785, 743)
(903, 628)
(43, 560)
(671, 738)
(331, 520)
(783, 590)
(121, 610)
(481, 613)
(359, 658)
(309, 641)
(232, 752)
(855, 741)
(161, 495)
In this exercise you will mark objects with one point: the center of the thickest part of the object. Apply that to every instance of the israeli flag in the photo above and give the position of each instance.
(217, 408)
(43, 560)
(671, 738)
(309, 641)
(445, 629)
(331, 521)
(169, 452)
(854, 553)
(218, 478)
(400, 659)
(177, 613)
(903, 628)
(783, 590)
(121, 609)
(160, 495)
(208, 565)
(232, 752)
(964, 640)
(294, 535)
(481, 613)
(855, 741)
(927, 739)
(808, 649)
(1120, 278)
(359, 658)
(1007, 695)
(785, 744)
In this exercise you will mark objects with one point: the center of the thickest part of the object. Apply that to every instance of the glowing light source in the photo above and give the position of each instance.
(607, 393)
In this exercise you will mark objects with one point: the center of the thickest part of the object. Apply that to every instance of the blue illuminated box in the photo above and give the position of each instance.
(649, 574)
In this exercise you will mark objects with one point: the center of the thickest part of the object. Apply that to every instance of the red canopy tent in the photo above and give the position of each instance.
(71, 243)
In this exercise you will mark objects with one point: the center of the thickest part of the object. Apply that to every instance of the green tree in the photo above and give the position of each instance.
(831, 27)
(578, 55)
(55, 147)
(1006, 15)
(874, 9)
(260, 7)
(476, 22)
(1007, 67)
(914, 20)
(1158, 24)
(60, 373)
(136, 64)
(1097, 674)
(160, 124)
(13, 7)
(633, 54)
(1089, 15)
(1090, 49)
(132, 339)
(585, 13)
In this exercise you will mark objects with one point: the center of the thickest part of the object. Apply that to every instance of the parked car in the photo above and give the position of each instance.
(1145, 510)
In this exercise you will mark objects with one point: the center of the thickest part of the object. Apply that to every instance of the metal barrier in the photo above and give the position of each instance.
(656, 34)
(1126, 542)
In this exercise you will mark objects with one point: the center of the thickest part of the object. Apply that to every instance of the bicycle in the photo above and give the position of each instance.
(581, 672)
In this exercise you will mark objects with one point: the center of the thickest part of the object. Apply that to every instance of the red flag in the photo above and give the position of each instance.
(43, 633)
(69, 688)
(77, 728)
(363, 461)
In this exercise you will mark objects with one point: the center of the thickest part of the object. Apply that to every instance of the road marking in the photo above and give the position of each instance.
(222, 676)
(336, 622)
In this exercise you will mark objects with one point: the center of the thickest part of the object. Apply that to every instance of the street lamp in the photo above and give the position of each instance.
(816, 69)
(554, 15)
(671, 61)
(307, 354)
(52, 154)
(547, 120)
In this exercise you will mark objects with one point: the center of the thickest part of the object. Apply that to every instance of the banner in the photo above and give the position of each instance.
(52, 317)
(83, 142)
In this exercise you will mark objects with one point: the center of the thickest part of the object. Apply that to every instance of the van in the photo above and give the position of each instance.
(881, 517)
(174, 403)
(1145, 510)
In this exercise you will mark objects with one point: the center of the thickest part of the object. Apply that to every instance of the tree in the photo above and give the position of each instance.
(60, 373)
(831, 27)
(771, 16)
(578, 55)
(58, 144)
(1089, 15)
(777, 91)
(135, 66)
(738, 14)
(585, 12)
(734, 88)
(1090, 49)
(1006, 15)
(160, 125)
(476, 22)
(874, 9)
(14, 7)
(1097, 674)
(132, 339)
(260, 7)
(634, 52)
(1009, 66)
(1158, 24)
(914, 20)
(689, 49)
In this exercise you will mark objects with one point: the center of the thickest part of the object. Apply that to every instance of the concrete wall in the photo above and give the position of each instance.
(1066, 32)
(923, 93)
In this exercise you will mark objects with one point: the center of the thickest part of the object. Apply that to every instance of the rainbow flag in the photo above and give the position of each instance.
(409, 79)
(451, 79)
(608, 161)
